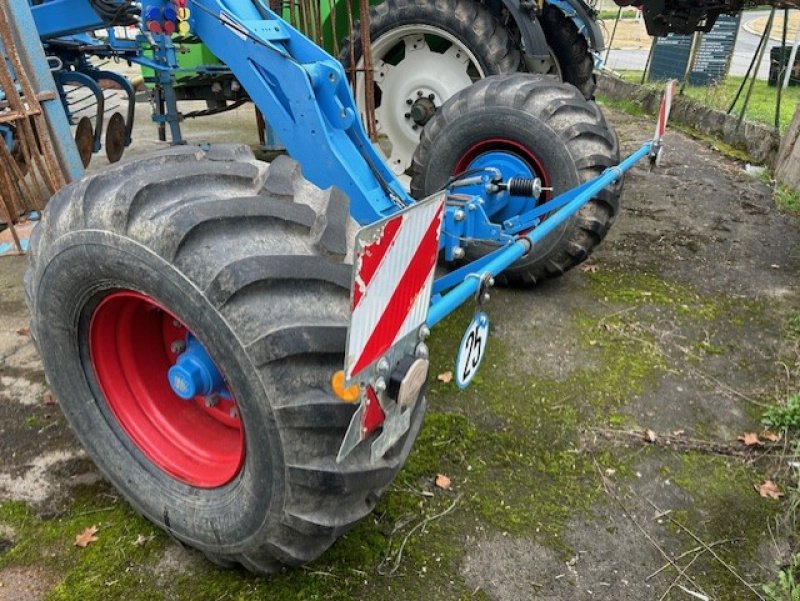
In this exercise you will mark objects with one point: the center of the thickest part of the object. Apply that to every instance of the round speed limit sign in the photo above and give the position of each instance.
(472, 349)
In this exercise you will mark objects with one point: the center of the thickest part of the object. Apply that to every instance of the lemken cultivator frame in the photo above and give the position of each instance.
(240, 346)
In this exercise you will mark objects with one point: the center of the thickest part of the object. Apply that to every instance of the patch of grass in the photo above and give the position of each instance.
(786, 586)
(787, 199)
(761, 108)
(784, 416)
(611, 15)
(724, 508)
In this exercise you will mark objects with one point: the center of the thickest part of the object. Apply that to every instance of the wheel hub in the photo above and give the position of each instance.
(165, 391)
(422, 110)
(413, 86)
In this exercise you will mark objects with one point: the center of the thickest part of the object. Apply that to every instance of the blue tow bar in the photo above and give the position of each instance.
(501, 259)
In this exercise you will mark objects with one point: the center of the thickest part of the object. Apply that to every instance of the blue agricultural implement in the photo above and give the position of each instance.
(240, 346)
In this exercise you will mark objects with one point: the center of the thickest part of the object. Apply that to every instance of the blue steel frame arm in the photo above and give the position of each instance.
(58, 18)
(304, 94)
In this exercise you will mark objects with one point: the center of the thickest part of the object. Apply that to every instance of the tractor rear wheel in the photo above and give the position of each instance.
(530, 126)
(423, 53)
(570, 49)
(241, 265)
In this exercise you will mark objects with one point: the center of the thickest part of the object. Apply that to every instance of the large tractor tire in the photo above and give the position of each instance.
(570, 50)
(537, 128)
(423, 53)
(244, 263)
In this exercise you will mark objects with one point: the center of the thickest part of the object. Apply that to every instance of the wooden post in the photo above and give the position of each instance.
(787, 167)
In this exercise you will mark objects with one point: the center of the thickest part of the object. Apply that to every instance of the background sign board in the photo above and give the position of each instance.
(670, 57)
(714, 54)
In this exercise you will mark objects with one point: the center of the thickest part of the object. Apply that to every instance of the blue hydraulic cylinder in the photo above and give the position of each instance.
(504, 258)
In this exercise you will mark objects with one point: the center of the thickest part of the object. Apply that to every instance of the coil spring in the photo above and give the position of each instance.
(523, 186)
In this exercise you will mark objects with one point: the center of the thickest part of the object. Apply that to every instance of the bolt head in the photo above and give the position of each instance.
(490, 281)
(485, 298)
(409, 102)
(211, 400)
(459, 215)
(380, 385)
(422, 351)
(407, 115)
(419, 93)
(424, 332)
(383, 365)
(177, 346)
(234, 412)
(458, 252)
(431, 97)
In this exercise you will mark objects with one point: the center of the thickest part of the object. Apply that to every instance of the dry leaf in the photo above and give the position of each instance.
(650, 436)
(750, 439)
(678, 432)
(590, 268)
(442, 482)
(770, 436)
(86, 537)
(48, 398)
(769, 490)
(445, 377)
(24, 332)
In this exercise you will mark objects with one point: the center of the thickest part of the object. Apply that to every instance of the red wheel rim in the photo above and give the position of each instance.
(132, 346)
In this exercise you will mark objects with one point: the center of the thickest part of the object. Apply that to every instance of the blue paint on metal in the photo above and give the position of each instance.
(57, 18)
(303, 93)
(195, 372)
(501, 260)
(501, 205)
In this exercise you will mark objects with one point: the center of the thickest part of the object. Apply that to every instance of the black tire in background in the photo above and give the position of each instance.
(566, 133)
(251, 258)
(571, 49)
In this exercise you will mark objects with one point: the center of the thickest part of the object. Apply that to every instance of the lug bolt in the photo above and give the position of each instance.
(176, 323)
(407, 115)
(431, 97)
(380, 385)
(415, 127)
(419, 93)
(383, 365)
(234, 412)
(211, 400)
(409, 102)
(177, 347)
(458, 252)
(424, 332)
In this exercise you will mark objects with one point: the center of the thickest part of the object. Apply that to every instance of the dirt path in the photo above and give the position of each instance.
(678, 326)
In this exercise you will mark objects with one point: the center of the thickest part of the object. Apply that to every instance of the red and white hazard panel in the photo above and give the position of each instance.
(666, 107)
(393, 277)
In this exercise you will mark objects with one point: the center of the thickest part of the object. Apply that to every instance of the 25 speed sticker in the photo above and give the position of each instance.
(472, 349)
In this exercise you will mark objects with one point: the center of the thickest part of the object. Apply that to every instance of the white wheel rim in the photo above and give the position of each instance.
(422, 72)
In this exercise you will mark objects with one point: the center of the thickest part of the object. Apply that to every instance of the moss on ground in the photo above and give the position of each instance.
(511, 445)
(724, 507)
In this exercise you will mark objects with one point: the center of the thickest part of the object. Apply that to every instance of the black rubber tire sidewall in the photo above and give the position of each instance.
(393, 14)
(216, 519)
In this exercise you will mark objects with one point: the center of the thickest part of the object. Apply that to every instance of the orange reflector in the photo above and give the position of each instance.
(348, 394)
